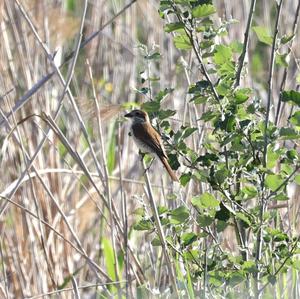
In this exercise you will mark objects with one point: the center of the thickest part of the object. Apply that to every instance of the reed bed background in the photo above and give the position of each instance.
(72, 184)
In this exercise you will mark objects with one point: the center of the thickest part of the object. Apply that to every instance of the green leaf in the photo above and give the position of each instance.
(242, 95)
(221, 225)
(161, 210)
(199, 99)
(188, 238)
(288, 134)
(191, 255)
(272, 279)
(237, 47)
(162, 94)
(143, 225)
(187, 132)
(155, 55)
(182, 42)
(208, 115)
(201, 175)
(296, 264)
(179, 215)
(173, 27)
(297, 179)
(244, 218)
(286, 169)
(204, 10)
(151, 106)
(156, 242)
(71, 6)
(291, 96)
(205, 200)
(222, 55)
(109, 258)
(139, 211)
(236, 278)
(204, 220)
(280, 197)
(272, 157)
(143, 90)
(190, 285)
(111, 151)
(286, 38)
(292, 154)
(199, 87)
(173, 161)
(250, 267)
(263, 35)
(273, 181)
(282, 59)
(249, 191)
(163, 114)
(221, 175)
(295, 119)
(185, 178)
(216, 280)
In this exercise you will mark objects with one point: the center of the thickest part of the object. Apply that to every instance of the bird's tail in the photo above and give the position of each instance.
(169, 169)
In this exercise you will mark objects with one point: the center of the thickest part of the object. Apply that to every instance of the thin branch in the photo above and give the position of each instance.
(283, 263)
(196, 48)
(106, 182)
(263, 206)
(270, 82)
(159, 229)
(245, 44)
(283, 82)
(283, 183)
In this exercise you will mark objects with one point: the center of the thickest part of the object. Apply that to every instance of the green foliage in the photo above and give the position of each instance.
(291, 96)
(109, 259)
(242, 162)
(202, 11)
(263, 35)
(111, 153)
(182, 42)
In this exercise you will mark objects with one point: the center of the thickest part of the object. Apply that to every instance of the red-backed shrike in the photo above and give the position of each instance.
(147, 138)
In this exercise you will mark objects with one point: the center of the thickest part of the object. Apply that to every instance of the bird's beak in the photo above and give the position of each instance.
(128, 115)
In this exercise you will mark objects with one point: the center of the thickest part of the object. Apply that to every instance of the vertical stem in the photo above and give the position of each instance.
(246, 42)
(264, 195)
(282, 86)
(270, 82)
(160, 231)
(107, 183)
(124, 213)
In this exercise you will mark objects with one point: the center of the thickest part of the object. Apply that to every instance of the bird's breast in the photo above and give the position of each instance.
(143, 147)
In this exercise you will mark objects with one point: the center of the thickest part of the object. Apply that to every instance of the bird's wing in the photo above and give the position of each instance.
(148, 135)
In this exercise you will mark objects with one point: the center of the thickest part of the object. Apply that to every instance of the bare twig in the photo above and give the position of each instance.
(159, 228)
(285, 72)
(263, 204)
(245, 44)
(270, 82)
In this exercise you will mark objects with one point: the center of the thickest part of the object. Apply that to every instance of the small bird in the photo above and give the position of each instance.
(147, 138)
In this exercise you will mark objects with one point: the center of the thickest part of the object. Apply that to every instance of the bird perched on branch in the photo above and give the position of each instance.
(148, 139)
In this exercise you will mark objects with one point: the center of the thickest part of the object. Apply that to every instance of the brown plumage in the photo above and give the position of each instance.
(148, 139)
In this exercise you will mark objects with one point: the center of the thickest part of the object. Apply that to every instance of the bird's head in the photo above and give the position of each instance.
(138, 116)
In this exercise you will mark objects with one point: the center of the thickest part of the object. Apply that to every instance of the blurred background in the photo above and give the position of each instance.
(68, 205)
